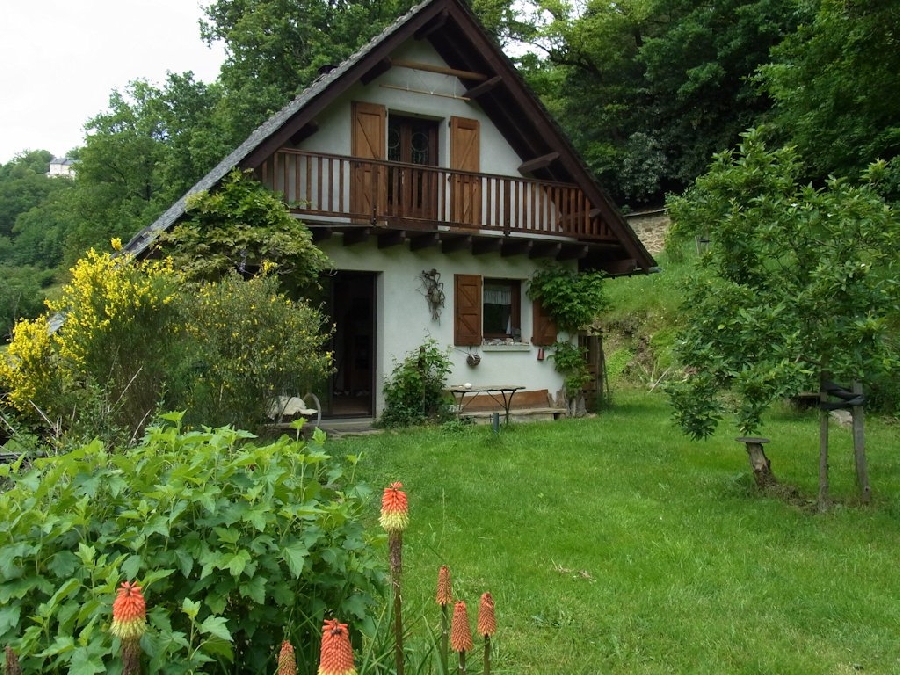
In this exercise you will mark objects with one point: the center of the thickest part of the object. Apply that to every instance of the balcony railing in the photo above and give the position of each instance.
(367, 191)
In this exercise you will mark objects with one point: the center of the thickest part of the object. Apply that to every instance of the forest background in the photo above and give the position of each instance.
(647, 90)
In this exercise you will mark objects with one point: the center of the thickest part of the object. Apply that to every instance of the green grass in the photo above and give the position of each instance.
(616, 545)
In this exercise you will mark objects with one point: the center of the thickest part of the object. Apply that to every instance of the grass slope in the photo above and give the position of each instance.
(616, 545)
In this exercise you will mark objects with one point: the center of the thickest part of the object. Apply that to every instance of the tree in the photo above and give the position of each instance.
(833, 83)
(798, 286)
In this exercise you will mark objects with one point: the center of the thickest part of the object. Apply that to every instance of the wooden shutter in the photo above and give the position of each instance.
(467, 310)
(465, 155)
(367, 141)
(543, 327)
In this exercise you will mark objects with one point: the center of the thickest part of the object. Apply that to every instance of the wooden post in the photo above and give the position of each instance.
(762, 468)
(823, 448)
(859, 447)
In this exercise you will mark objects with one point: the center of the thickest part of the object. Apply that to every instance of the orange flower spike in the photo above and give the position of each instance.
(336, 656)
(287, 664)
(394, 511)
(444, 594)
(129, 612)
(460, 632)
(487, 624)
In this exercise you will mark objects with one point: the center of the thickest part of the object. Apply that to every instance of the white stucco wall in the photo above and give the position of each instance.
(333, 135)
(403, 319)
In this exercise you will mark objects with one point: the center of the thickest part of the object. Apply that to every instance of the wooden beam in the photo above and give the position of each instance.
(617, 267)
(538, 162)
(391, 238)
(573, 252)
(483, 88)
(379, 68)
(515, 247)
(434, 25)
(420, 241)
(491, 245)
(357, 235)
(456, 243)
(443, 70)
(304, 132)
(545, 249)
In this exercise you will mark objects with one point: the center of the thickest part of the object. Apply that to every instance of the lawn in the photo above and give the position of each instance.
(616, 545)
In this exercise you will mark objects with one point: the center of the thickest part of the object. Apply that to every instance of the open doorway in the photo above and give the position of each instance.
(351, 307)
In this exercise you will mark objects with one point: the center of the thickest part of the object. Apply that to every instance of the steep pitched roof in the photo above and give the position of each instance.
(458, 37)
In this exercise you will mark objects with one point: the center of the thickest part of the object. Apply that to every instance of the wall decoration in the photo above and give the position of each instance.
(433, 290)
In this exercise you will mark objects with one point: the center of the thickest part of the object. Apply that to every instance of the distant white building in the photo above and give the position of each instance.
(62, 166)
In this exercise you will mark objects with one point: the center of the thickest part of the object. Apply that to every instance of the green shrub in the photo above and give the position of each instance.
(414, 393)
(248, 344)
(237, 546)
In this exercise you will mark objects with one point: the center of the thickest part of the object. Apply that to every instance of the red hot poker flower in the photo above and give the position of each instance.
(287, 664)
(394, 511)
(129, 612)
(444, 594)
(460, 632)
(336, 655)
(487, 624)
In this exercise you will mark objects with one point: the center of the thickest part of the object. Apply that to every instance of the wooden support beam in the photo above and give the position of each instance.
(304, 132)
(391, 238)
(538, 162)
(491, 245)
(420, 241)
(378, 69)
(515, 247)
(545, 249)
(617, 267)
(483, 88)
(456, 243)
(434, 25)
(357, 235)
(573, 252)
(443, 70)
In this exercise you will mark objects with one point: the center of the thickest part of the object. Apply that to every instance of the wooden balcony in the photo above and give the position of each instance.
(349, 191)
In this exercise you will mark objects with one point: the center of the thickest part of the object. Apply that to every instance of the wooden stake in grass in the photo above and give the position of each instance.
(394, 519)
(444, 598)
(487, 626)
(461, 634)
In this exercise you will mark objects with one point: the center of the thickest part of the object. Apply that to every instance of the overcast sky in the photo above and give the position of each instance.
(60, 59)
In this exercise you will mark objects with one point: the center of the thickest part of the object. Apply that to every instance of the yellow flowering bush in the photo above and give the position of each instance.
(100, 368)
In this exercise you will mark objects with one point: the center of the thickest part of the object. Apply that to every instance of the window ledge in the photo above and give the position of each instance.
(502, 346)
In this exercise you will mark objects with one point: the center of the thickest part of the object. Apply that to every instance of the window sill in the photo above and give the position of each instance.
(502, 346)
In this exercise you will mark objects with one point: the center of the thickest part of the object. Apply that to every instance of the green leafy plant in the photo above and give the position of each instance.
(237, 546)
(571, 362)
(414, 393)
(574, 299)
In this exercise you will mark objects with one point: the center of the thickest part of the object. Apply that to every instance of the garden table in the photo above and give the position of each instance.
(499, 393)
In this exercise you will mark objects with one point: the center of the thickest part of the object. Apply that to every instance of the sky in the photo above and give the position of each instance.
(60, 59)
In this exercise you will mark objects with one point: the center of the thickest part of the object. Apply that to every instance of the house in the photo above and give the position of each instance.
(61, 167)
(424, 166)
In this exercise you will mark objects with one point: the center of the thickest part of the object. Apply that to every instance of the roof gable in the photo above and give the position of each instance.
(457, 36)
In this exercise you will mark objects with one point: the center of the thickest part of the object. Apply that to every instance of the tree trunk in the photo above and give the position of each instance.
(859, 448)
(759, 463)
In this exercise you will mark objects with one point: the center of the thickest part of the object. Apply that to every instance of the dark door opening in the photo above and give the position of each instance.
(351, 306)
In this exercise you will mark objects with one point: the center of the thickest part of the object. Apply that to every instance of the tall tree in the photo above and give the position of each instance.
(834, 82)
